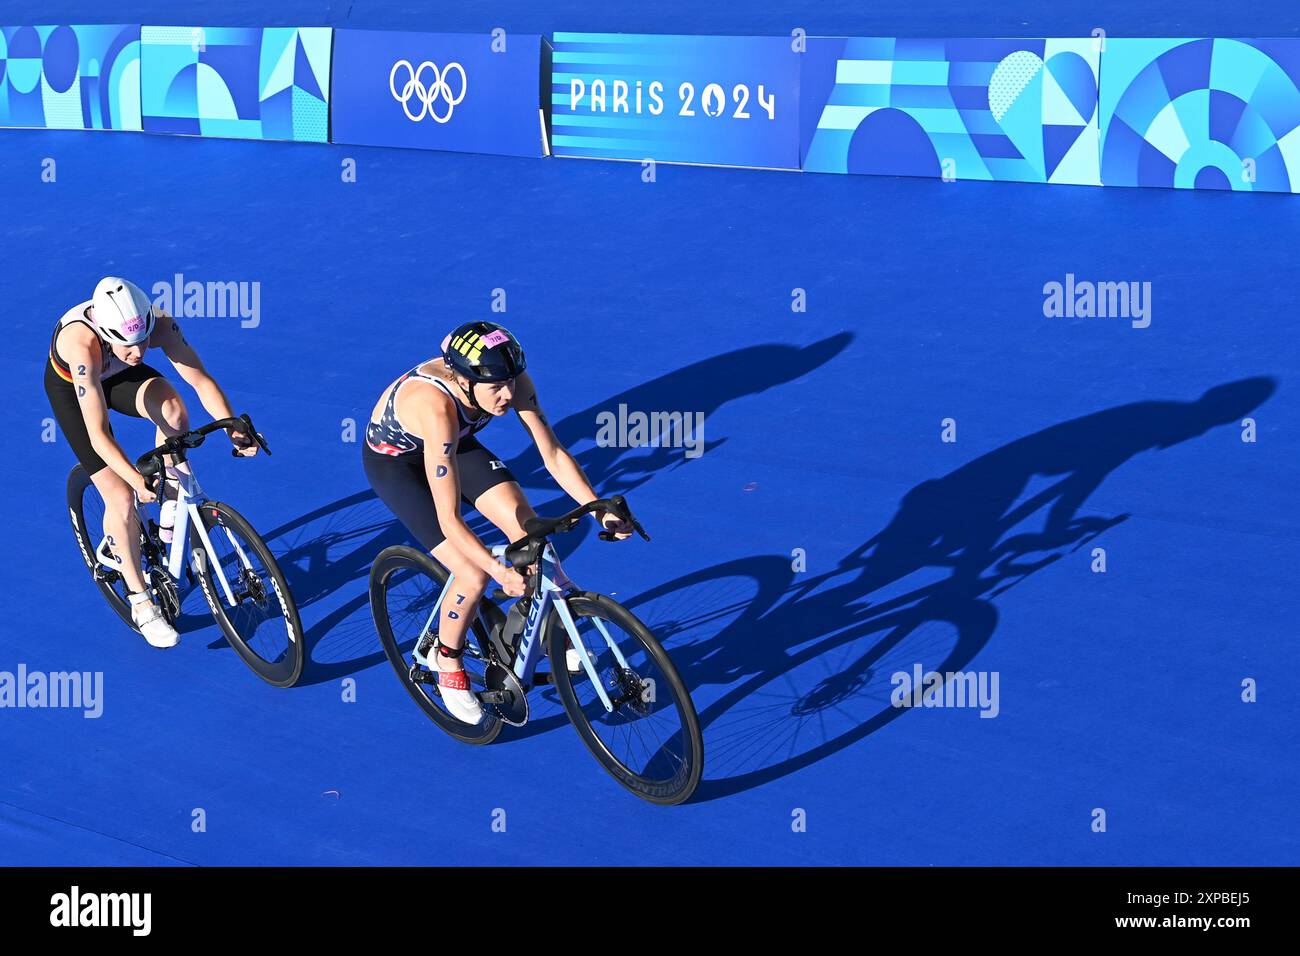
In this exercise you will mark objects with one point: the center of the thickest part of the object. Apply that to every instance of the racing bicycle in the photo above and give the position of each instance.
(624, 697)
(241, 582)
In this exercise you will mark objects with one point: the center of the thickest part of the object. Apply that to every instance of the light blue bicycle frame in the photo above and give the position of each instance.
(553, 587)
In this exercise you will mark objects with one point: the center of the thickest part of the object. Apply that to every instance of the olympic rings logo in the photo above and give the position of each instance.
(426, 94)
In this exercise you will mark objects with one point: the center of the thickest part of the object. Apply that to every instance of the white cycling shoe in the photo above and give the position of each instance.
(455, 689)
(571, 659)
(146, 616)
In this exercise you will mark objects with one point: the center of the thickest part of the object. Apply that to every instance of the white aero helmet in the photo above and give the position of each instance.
(123, 313)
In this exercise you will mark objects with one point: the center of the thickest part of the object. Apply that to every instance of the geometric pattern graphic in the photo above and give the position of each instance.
(243, 83)
(70, 77)
(1201, 114)
(1021, 110)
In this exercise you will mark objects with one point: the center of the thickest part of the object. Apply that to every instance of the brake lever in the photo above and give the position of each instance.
(235, 452)
(620, 509)
(253, 437)
(151, 469)
(257, 436)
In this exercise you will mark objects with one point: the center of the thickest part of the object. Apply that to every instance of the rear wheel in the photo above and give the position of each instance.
(86, 509)
(650, 742)
(404, 588)
(262, 625)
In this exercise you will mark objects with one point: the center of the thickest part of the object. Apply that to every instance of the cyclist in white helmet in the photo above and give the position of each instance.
(97, 363)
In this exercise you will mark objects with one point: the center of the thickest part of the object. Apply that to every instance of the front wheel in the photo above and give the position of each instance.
(650, 741)
(262, 625)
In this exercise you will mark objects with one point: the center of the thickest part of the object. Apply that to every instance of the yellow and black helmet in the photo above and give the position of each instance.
(484, 352)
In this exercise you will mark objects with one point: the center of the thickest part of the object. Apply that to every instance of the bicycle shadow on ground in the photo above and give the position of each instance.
(331, 548)
(808, 661)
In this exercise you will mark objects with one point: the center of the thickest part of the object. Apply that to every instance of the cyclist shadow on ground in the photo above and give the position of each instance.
(703, 387)
(815, 655)
(332, 548)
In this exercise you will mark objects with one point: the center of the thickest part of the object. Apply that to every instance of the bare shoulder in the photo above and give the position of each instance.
(437, 368)
(419, 400)
(78, 335)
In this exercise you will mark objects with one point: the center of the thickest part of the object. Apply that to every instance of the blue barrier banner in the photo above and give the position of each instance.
(1019, 110)
(70, 77)
(1201, 114)
(474, 93)
(234, 82)
(720, 101)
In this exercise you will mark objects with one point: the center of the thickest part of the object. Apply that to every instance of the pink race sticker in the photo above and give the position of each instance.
(493, 339)
(133, 325)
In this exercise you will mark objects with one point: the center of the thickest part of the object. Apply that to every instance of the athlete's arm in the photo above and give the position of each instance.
(435, 421)
(189, 366)
(83, 357)
(561, 465)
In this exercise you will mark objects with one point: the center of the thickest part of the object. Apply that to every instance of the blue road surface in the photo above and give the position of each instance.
(824, 450)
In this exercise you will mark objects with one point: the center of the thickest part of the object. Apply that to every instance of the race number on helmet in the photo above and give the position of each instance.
(123, 313)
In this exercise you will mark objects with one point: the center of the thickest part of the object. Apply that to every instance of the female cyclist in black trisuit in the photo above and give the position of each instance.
(96, 363)
(422, 458)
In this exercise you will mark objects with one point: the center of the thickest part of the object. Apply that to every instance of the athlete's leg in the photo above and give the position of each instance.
(460, 605)
(491, 489)
(158, 401)
(503, 503)
(506, 507)
(121, 524)
(401, 484)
